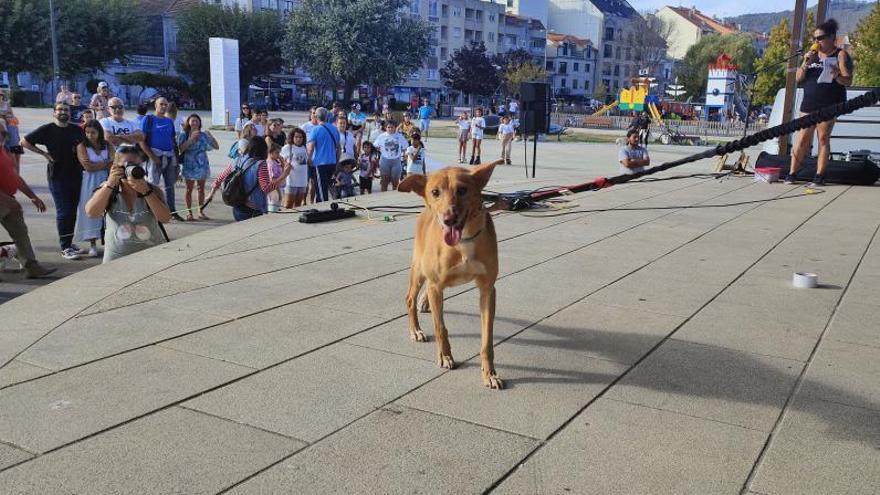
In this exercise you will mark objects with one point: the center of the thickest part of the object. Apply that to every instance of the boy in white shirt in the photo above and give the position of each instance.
(505, 134)
(391, 145)
(478, 123)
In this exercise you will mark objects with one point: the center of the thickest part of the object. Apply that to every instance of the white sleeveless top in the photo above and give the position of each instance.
(97, 157)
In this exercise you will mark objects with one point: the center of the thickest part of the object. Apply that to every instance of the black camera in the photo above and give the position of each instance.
(134, 170)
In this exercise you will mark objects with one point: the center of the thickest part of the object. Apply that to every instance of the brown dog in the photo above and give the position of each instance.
(454, 244)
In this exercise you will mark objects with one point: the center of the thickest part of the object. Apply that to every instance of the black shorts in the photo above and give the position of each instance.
(366, 184)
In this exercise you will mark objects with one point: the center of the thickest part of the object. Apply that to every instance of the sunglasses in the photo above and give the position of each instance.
(820, 38)
(117, 107)
(245, 108)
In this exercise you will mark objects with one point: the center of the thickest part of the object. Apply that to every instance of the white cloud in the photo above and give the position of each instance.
(720, 8)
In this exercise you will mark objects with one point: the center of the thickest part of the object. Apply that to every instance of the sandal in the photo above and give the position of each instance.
(189, 217)
(202, 216)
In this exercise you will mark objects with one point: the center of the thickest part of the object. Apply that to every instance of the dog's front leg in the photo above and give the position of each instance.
(444, 354)
(415, 283)
(487, 351)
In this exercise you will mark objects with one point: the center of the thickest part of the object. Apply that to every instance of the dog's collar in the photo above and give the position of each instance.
(468, 239)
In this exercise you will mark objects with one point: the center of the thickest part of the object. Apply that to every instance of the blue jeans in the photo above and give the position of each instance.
(65, 193)
(240, 213)
(164, 173)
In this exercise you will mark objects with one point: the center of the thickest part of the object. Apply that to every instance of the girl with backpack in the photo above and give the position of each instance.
(245, 182)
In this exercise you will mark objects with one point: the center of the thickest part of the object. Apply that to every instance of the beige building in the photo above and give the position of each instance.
(685, 26)
(571, 65)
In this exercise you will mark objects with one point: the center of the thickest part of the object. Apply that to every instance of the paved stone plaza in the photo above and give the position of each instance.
(644, 351)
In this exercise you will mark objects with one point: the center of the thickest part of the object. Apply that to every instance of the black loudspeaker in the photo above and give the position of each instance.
(534, 109)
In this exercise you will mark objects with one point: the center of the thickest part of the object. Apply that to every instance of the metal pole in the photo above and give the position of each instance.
(54, 36)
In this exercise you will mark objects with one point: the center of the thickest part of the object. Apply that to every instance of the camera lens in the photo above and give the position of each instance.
(134, 171)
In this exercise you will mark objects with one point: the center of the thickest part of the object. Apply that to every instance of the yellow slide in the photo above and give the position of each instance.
(605, 109)
(655, 113)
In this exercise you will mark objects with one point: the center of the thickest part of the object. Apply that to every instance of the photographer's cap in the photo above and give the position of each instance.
(102, 84)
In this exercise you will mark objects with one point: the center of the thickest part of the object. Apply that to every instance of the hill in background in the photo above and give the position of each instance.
(847, 12)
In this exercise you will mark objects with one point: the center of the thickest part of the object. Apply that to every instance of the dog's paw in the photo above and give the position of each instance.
(492, 381)
(418, 335)
(446, 361)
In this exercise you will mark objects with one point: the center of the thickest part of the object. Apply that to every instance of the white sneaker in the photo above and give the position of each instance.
(94, 252)
(8, 260)
(70, 253)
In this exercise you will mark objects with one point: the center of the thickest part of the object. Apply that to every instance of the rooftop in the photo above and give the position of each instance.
(703, 21)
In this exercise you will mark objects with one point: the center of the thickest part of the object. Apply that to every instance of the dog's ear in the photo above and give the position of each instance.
(413, 183)
(482, 173)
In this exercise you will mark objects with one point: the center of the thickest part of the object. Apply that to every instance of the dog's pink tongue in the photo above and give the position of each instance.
(451, 235)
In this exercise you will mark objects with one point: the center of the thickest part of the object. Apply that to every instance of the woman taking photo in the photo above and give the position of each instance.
(194, 144)
(95, 155)
(822, 87)
(133, 207)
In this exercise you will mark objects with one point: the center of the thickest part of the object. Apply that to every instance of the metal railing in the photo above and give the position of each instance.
(688, 127)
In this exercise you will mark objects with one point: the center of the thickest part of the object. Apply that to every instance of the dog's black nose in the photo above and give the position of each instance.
(449, 220)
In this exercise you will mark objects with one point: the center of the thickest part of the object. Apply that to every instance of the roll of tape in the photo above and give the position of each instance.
(805, 280)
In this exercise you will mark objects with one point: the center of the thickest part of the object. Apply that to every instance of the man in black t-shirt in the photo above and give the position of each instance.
(63, 170)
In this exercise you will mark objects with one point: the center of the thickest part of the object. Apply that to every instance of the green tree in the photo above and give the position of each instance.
(169, 86)
(528, 71)
(259, 36)
(693, 71)
(866, 49)
(23, 37)
(85, 42)
(809, 26)
(600, 92)
(471, 71)
(350, 42)
(770, 67)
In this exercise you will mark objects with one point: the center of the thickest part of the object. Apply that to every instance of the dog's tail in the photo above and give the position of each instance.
(500, 161)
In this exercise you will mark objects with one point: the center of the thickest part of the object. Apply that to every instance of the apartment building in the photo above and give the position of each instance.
(571, 65)
(685, 26)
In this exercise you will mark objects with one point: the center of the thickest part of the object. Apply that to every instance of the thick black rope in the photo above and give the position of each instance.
(521, 200)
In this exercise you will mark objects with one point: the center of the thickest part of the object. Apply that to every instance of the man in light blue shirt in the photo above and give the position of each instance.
(323, 150)
(425, 113)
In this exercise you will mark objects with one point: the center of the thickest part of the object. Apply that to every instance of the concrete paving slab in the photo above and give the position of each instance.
(44, 414)
(618, 448)
(10, 455)
(216, 271)
(601, 331)
(533, 377)
(172, 451)
(822, 448)
(397, 450)
(18, 371)
(150, 288)
(317, 394)
(92, 337)
(268, 338)
(755, 325)
(646, 293)
(712, 383)
(844, 373)
(856, 322)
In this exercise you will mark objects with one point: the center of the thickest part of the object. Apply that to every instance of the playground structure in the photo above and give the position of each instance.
(722, 98)
(636, 98)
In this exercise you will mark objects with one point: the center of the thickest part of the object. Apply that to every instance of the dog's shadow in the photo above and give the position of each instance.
(744, 375)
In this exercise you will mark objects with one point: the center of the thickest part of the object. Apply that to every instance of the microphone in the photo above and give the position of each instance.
(814, 47)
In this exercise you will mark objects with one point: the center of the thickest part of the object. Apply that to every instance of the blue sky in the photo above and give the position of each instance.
(720, 8)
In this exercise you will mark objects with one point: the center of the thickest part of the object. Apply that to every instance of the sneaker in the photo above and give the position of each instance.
(8, 258)
(36, 270)
(78, 249)
(818, 181)
(790, 179)
(70, 253)
(509, 162)
(472, 161)
(477, 162)
(94, 252)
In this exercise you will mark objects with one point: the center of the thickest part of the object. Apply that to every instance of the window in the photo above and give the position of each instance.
(617, 53)
(468, 34)
(587, 68)
(491, 36)
(414, 7)
(609, 52)
(563, 67)
(575, 69)
(574, 84)
(617, 70)
(478, 36)
(432, 8)
(478, 15)
(288, 6)
(609, 34)
(492, 17)
(456, 32)
(456, 11)
(444, 52)
(562, 83)
(444, 10)
(433, 75)
(628, 53)
(586, 85)
(468, 13)
(444, 32)
(549, 65)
